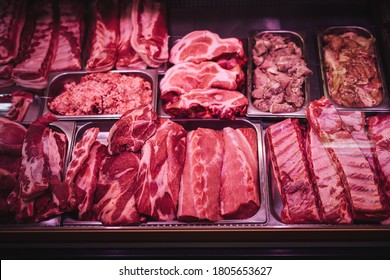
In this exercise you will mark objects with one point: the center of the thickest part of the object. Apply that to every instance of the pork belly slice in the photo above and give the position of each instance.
(150, 31)
(333, 203)
(203, 45)
(21, 101)
(6, 75)
(12, 135)
(184, 77)
(101, 53)
(239, 197)
(364, 193)
(208, 103)
(161, 167)
(379, 133)
(114, 202)
(201, 180)
(131, 131)
(33, 70)
(86, 179)
(12, 18)
(127, 57)
(290, 169)
(70, 36)
(80, 153)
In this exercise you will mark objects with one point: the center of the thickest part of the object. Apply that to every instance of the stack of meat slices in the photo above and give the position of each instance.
(206, 77)
(332, 177)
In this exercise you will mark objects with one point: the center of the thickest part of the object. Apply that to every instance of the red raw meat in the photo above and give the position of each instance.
(11, 137)
(184, 77)
(33, 70)
(333, 203)
(202, 45)
(101, 54)
(161, 166)
(114, 202)
(6, 75)
(365, 195)
(11, 163)
(150, 32)
(208, 103)
(70, 37)
(21, 101)
(286, 147)
(240, 196)
(379, 132)
(131, 131)
(201, 180)
(127, 56)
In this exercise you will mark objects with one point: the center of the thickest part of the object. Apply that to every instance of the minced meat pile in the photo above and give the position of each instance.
(102, 93)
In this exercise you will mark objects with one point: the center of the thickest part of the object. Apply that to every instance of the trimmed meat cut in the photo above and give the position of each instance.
(290, 170)
(21, 101)
(208, 103)
(201, 180)
(161, 166)
(11, 137)
(6, 75)
(239, 196)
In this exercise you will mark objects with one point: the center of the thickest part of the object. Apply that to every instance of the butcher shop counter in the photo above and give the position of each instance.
(270, 238)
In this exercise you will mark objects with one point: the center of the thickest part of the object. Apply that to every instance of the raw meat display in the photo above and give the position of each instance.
(201, 180)
(290, 169)
(12, 135)
(279, 75)
(333, 203)
(104, 30)
(131, 131)
(103, 93)
(208, 103)
(21, 101)
(161, 166)
(239, 193)
(114, 202)
(184, 77)
(204, 45)
(70, 36)
(379, 133)
(150, 32)
(127, 56)
(12, 15)
(351, 72)
(33, 70)
(364, 192)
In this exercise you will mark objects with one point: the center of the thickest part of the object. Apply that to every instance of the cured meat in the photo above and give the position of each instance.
(33, 70)
(21, 101)
(184, 77)
(201, 180)
(239, 195)
(286, 145)
(131, 131)
(6, 75)
(365, 195)
(379, 132)
(150, 32)
(11, 137)
(127, 56)
(103, 93)
(80, 153)
(203, 45)
(70, 36)
(101, 54)
(12, 14)
(208, 103)
(114, 202)
(161, 166)
(86, 180)
(34, 170)
(333, 203)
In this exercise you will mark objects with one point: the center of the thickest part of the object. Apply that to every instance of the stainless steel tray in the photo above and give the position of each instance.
(384, 106)
(259, 219)
(58, 80)
(298, 39)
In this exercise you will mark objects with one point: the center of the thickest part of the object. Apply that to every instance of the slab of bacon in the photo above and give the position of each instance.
(101, 54)
(33, 70)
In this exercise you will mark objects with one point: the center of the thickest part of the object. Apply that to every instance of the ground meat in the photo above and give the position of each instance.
(103, 93)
